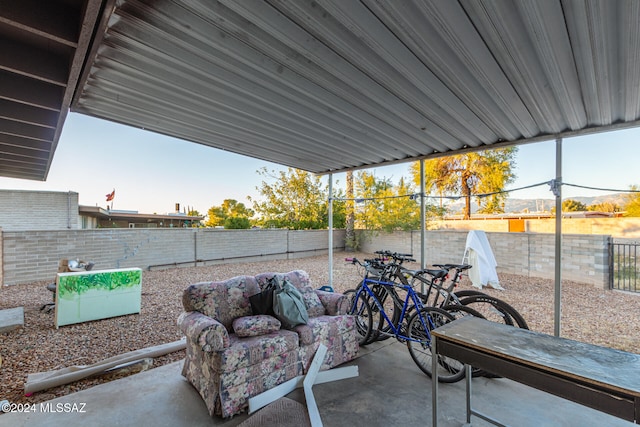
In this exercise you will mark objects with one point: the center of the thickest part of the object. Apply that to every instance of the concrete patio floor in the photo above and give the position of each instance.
(389, 391)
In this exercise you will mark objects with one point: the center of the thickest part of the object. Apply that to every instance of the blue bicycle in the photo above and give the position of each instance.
(368, 303)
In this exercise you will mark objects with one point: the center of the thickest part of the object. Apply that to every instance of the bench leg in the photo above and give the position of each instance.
(434, 382)
(467, 380)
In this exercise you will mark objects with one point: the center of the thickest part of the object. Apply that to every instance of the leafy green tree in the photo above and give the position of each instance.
(479, 172)
(604, 207)
(571, 205)
(230, 208)
(386, 206)
(370, 192)
(401, 212)
(632, 206)
(339, 209)
(351, 242)
(296, 199)
(194, 224)
(237, 222)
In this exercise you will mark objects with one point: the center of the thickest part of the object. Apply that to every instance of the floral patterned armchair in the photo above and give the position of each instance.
(233, 355)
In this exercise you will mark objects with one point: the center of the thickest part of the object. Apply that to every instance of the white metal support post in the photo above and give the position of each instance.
(558, 249)
(331, 230)
(423, 216)
(423, 222)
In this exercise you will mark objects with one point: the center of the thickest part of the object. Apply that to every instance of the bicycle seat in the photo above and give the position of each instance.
(460, 267)
(436, 274)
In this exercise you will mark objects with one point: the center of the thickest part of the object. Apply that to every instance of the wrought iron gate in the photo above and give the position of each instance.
(623, 266)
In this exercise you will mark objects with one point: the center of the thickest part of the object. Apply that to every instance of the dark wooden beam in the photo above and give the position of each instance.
(27, 131)
(51, 19)
(28, 114)
(35, 62)
(28, 91)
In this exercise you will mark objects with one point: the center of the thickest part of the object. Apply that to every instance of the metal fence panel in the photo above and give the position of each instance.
(623, 264)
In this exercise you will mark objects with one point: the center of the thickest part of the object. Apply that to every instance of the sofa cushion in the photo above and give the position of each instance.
(324, 329)
(248, 351)
(341, 349)
(238, 386)
(267, 366)
(251, 326)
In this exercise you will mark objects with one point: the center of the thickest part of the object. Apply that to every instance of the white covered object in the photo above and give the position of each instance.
(478, 253)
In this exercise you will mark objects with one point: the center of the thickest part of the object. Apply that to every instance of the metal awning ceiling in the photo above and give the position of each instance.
(325, 85)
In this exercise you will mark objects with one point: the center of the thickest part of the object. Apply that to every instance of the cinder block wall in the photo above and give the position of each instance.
(476, 224)
(38, 210)
(584, 257)
(34, 255)
(616, 227)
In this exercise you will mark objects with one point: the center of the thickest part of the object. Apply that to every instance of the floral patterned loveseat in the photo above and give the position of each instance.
(233, 355)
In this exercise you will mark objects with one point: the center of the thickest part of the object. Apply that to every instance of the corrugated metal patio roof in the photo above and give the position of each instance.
(324, 85)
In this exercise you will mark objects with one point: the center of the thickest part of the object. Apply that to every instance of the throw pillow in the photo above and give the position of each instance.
(252, 326)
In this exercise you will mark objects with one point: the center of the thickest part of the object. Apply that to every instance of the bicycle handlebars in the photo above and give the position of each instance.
(378, 262)
(397, 256)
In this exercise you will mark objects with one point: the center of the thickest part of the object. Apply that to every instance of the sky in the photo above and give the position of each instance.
(151, 173)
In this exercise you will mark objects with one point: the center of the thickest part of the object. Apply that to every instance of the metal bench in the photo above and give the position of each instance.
(598, 377)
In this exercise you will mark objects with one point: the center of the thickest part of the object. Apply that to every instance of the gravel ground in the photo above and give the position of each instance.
(596, 316)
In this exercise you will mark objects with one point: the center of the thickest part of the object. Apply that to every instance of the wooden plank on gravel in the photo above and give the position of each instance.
(11, 318)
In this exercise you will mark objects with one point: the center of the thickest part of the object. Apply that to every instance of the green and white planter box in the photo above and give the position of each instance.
(92, 295)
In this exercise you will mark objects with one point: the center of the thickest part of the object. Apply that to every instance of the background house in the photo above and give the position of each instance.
(22, 210)
(97, 217)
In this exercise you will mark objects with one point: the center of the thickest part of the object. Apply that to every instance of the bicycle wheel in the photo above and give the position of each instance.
(494, 309)
(458, 311)
(419, 344)
(362, 311)
(377, 319)
(468, 292)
